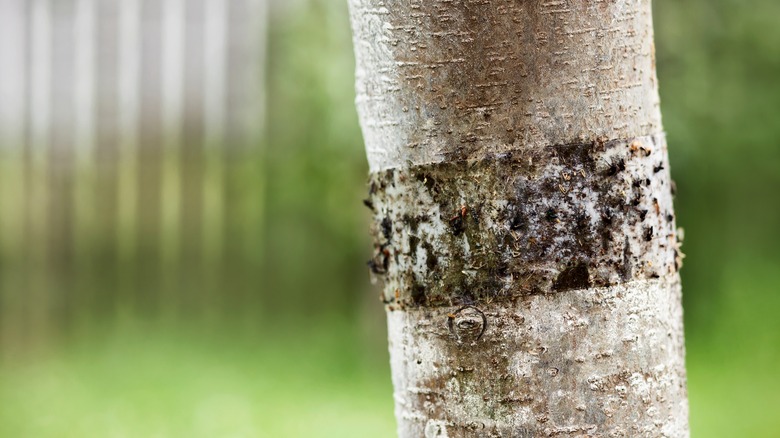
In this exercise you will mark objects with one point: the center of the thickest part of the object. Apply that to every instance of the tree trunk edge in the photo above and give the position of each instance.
(523, 218)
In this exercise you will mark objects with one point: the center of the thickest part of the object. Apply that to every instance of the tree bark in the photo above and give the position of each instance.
(523, 218)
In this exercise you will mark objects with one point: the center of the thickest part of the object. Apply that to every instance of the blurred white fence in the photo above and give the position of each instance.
(118, 122)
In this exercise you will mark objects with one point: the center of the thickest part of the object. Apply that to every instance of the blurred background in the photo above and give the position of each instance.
(183, 244)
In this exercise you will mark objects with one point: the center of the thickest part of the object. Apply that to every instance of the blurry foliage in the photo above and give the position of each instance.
(316, 166)
(718, 64)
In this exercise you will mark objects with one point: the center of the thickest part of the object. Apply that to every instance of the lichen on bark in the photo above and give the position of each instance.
(524, 222)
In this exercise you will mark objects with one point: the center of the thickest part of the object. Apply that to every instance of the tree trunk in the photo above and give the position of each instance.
(523, 213)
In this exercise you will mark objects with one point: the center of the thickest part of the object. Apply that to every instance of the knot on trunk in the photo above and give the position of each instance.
(467, 324)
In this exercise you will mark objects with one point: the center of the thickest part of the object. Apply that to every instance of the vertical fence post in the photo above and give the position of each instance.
(215, 69)
(173, 71)
(83, 169)
(103, 258)
(192, 157)
(35, 179)
(60, 164)
(13, 83)
(129, 114)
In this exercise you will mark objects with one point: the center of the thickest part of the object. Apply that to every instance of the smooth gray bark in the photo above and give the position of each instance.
(524, 225)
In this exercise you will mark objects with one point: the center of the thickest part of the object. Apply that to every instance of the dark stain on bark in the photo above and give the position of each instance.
(411, 222)
(431, 261)
(575, 277)
(626, 272)
(418, 294)
(414, 241)
(578, 154)
(517, 222)
(513, 219)
(648, 234)
(615, 167)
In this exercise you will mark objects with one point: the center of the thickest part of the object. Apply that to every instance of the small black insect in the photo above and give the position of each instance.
(457, 225)
(606, 217)
(615, 167)
(375, 267)
(458, 222)
(381, 262)
(387, 228)
(649, 234)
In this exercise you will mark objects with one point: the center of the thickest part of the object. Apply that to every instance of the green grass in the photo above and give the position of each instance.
(155, 384)
(734, 356)
(731, 400)
(328, 381)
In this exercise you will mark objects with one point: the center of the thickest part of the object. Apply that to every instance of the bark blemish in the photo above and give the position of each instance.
(435, 429)
(575, 277)
(517, 222)
(418, 294)
(615, 167)
(648, 234)
(431, 261)
(627, 271)
(503, 226)
(414, 241)
(467, 324)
